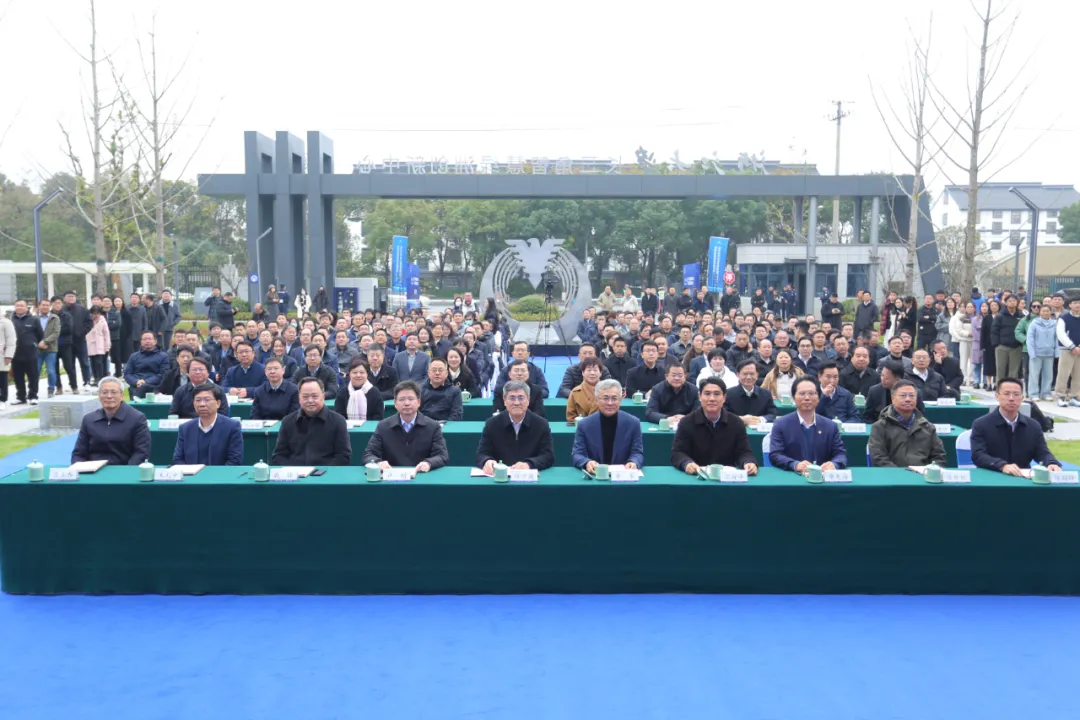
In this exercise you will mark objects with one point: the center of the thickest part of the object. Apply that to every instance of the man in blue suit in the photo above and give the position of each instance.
(212, 439)
(804, 437)
(412, 364)
(836, 402)
(609, 437)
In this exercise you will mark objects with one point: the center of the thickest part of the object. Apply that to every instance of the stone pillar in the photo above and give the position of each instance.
(322, 247)
(872, 273)
(811, 256)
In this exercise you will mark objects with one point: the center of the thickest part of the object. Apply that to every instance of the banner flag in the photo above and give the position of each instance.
(413, 296)
(718, 247)
(399, 260)
(691, 276)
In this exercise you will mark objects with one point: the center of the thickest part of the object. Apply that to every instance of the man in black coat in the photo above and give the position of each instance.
(645, 376)
(519, 371)
(857, 378)
(517, 438)
(224, 312)
(407, 439)
(314, 434)
(866, 313)
(28, 334)
(673, 397)
(116, 433)
(381, 375)
(879, 396)
(747, 401)
(1006, 441)
(619, 363)
(139, 323)
(948, 368)
(926, 317)
(712, 435)
(931, 385)
(572, 376)
(81, 325)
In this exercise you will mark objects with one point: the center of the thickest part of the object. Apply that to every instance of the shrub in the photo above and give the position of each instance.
(528, 305)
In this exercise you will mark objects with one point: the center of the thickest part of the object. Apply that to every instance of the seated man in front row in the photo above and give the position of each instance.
(117, 433)
(902, 436)
(517, 438)
(610, 436)
(212, 439)
(805, 438)
(409, 438)
(673, 397)
(314, 434)
(710, 435)
(1006, 441)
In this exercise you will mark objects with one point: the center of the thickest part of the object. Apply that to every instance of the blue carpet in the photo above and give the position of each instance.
(543, 657)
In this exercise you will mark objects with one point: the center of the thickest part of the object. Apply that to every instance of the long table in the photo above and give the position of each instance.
(480, 409)
(445, 532)
(463, 438)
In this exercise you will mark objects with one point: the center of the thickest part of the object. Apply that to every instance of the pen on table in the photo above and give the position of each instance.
(241, 475)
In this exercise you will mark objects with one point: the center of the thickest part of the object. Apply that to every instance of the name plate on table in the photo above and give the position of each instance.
(836, 476)
(618, 475)
(168, 475)
(171, 424)
(284, 475)
(956, 476)
(399, 474)
(1064, 477)
(63, 475)
(943, 428)
(252, 425)
(733, 475)
(946, 402)
(763, 427)
(525, 476)
(854, 427)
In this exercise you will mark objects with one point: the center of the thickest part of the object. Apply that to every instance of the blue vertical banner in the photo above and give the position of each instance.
(399, 261)
(691, 276)
(718, 247)
(413, 296)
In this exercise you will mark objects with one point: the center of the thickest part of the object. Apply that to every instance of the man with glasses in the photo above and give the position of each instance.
(710, 435)
(314, 434)
(1007, 441)
(672, 398)
(212, 439)
(116, 433)
(902, 436)
(409, 438)
(517, 438)
(805, 438)
(610, 436)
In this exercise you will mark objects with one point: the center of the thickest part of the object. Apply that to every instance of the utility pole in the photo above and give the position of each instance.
(837, 118)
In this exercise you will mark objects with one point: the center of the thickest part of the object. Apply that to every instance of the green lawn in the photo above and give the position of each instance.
(1065, 450)
(32, 415)
(10, 444)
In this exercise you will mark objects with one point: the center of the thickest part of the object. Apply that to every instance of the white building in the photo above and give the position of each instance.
(1004, 221)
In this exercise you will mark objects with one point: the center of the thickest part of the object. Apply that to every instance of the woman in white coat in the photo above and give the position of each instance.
(302, 301)
(960, 332)
(7, 354)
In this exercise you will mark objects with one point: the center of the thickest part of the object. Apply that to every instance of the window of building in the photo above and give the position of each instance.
(997, 228)
(1051, 227)
(825, 276)
(1014, 237)
(997, 214)
(754, 276)
(996, 245)
(1015, 217)
(944, 218)
(858, 278)
(1052, 214)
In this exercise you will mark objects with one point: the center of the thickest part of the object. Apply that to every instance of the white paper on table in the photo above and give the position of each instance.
(921, 469)
(836, 476)
(524, 475)
(478, 472)
(733, 475)
(1064, 477)
(284, 474)
(188, 469)
(168, 475)
(943, 428)
(88, 466)
(617, 474)
(956, 476)
(353, 424)
(946, 402)
(172, 424)
(63, 475)
(854, 427)
(763, 427)
(252, 424)
(399, 474)
(1027, 473)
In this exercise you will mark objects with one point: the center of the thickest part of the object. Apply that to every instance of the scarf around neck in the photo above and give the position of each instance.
(358, 401)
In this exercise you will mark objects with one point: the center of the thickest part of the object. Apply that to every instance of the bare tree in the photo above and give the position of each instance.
(979, 124)
(909, 132)
(103, 122)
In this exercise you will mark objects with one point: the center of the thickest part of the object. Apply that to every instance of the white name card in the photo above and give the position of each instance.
(733, 475)
(836, 476)
(763, 427)
(171, 424)
(252, 425)
(943, 428)
(284, 475)
(168, 475)
(398, 474)
(622, 475)
(946, 402)
(1064, 477)
(63, 475)
(956, 476)
(854, 427)
(529, 476)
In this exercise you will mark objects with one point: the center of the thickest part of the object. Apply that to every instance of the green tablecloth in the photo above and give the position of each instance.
(480, 409)
(888, 532)
(462, 439)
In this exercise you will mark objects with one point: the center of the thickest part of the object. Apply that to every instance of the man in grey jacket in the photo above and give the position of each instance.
(171, 311)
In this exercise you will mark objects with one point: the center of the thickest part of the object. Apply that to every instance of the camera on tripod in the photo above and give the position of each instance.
(549, 286)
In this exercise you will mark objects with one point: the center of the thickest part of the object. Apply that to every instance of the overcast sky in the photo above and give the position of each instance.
(559, 78)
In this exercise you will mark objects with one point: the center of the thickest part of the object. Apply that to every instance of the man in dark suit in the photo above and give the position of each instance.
(931, 385)
(241, 380)
(116, 433)
(520, 351)
(805, 359)
(747, 401)
(407, 439)
(858, 377)
(644, 377)
(619, 364)
(210, 439)
(519, 371)
(277, 397)
(879, 396)
(572, 376)
(314, 434)
(382, 376)
(948, 368)
(183, 399)
(805, 438)
(517, 437)
(673, 398)
(412, 364)
(1006, 441)
(836, 402)
(608, 437)
(710, 435)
